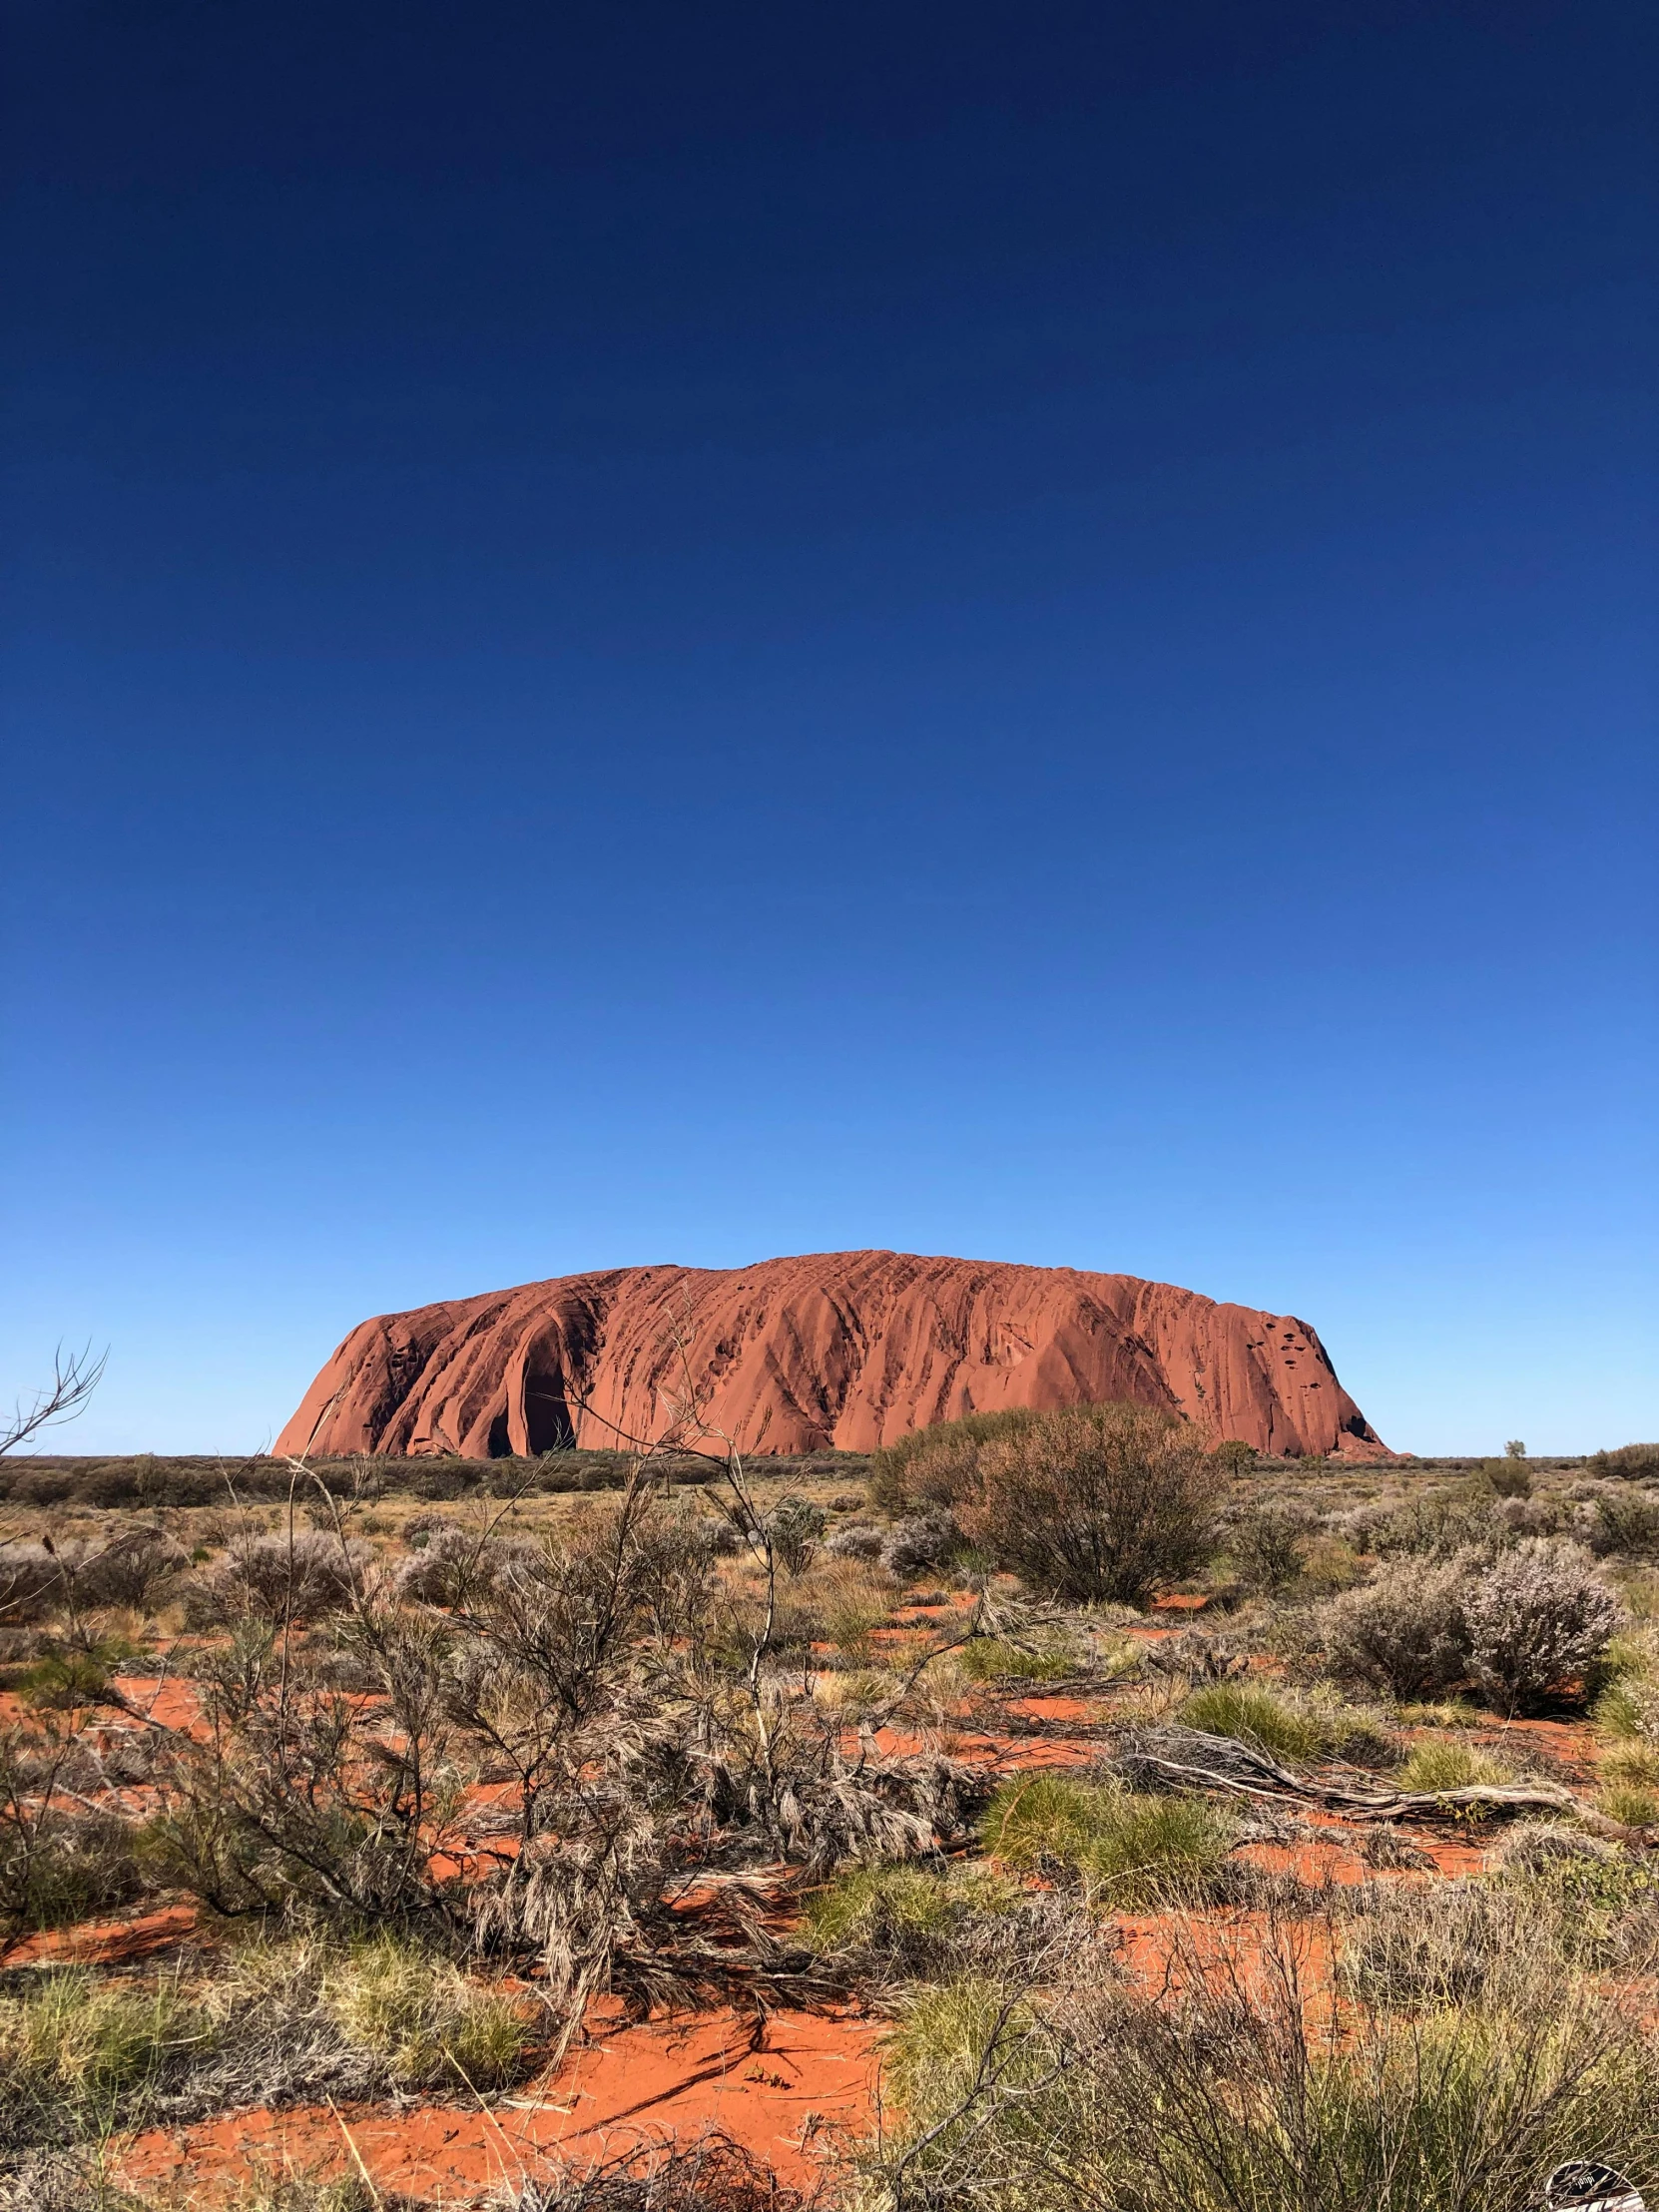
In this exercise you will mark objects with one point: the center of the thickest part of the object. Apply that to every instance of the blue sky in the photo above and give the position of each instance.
(635, 633)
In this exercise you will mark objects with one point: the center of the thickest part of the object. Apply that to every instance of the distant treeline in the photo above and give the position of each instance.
(149, 1479)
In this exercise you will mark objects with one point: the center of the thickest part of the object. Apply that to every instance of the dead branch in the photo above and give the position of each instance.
(74, 1379)
(1184, 1759)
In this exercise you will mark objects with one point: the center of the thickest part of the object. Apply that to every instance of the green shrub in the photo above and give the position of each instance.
(1103, 1503)
(1628, 1464)
(1267, 1547)
(1441, 1524)
(1626, 1524)
(1509, 1477)
(1129, 1851)
(938, 1466)
(796, 1526)
(1253, 1716)
(67, 1678)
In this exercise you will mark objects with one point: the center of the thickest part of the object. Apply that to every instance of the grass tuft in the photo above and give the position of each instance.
(1433, 1765)
(1253, 1716)
(424, 2017)
(994, 1659)
(1129, 1851)
(93, 2047)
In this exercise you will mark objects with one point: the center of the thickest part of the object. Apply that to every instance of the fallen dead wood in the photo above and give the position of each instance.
(1186, 1759)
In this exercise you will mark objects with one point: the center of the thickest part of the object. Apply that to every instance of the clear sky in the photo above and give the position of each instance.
(642, 631)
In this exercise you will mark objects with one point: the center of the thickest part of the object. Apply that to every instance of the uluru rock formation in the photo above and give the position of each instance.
(844, 1348)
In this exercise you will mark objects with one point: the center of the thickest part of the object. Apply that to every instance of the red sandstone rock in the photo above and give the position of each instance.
(846, 1349)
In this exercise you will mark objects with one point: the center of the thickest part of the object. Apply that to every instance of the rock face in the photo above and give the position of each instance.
(845, 1348)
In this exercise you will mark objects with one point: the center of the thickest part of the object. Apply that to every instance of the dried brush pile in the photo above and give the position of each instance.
(595, 1762)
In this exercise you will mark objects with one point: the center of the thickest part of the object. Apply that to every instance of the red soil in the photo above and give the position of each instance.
(788, 2097)
(103, 1942)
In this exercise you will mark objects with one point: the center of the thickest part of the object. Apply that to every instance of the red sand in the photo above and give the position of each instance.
(103, 1942)
(788, 2099)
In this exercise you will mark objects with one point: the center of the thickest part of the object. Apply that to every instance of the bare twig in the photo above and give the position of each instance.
(74, 1376)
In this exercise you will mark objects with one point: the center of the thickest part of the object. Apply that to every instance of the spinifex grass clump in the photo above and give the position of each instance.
(998, 1659)
(1254, 1716)
(74, 2046)
(914, 1921)
(1253, 2085)
(429, 2022)
(1129, 1851)
(1436, 1764)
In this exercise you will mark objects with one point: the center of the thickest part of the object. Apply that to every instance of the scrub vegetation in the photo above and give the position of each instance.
(1188, 1827)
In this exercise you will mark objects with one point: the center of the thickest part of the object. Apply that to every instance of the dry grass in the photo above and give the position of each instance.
(651, 1716)
(1250, 2087)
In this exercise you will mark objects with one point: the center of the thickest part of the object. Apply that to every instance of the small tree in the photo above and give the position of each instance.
(1102, 1501)
(1236, 1455)
(1514, 1449)
(796, 1526)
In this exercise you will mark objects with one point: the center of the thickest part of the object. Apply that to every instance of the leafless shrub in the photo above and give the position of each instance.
(75, 1376)
(710, 2174)
(1246, 2084)
(1437, 1946)
(1386, 1848)
(301, 1793)
(1199, 1655)
(1533, 1847)
(63, 1857)
(32, 1577)
(920, 1544)
(1535, 1620)
(296, 1576)
(127, 1571)
(452, 1568)
(857, 1542)
(1403, 1632)
(37, 1580)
